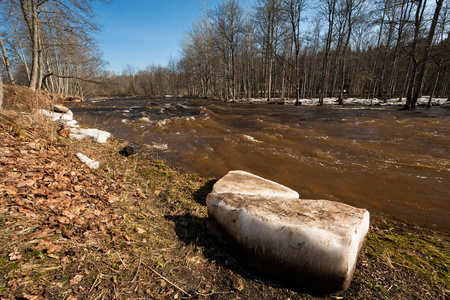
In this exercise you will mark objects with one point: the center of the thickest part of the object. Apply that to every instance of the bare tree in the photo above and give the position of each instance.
(293, 10)
(418, 23)
(268, 18)
(353, 12)
(228, 20)
(6, 62)
(55, 31)
(411, 101)
(329, 8)
(228, 53)
(199, 55)
(30, 15)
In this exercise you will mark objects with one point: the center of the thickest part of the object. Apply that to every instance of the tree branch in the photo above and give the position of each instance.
(70, 77)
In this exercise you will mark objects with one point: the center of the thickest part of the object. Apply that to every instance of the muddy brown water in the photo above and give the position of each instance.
(390, 162)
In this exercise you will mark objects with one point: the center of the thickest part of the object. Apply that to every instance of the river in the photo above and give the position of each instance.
(390, 162)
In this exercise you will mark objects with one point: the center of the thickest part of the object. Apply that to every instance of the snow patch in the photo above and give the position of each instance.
(95, 135)
(89, 162)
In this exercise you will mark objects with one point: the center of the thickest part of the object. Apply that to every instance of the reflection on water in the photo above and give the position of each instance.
(390, 162)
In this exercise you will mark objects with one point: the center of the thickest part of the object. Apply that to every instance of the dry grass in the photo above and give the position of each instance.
(22, 99)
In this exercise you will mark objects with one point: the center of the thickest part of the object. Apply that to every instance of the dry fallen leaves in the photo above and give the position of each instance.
(76, 280)
(67, 233)
(48, 246)
(41, 234)
(33, 297)
(140, 230)
(15, 255)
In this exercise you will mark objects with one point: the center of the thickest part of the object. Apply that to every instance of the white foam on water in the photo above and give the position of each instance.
(179, 105)
(144, 119)
(158, 146)
(250, 138)
(163, 123)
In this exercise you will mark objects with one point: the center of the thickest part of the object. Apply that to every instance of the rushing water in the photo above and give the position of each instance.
(390, 162)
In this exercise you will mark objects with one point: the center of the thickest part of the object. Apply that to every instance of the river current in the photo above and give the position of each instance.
(390, 162)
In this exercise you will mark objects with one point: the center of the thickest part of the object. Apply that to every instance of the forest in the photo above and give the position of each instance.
(273, 49)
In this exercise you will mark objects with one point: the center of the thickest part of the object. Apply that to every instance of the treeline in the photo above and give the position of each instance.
(276, 48)
(292, 48)
(48, 44)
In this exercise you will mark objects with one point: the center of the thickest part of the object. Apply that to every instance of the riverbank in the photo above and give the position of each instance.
(134, 228)
(384, 154)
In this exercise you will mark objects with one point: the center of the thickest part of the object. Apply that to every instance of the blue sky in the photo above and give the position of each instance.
(145, 32)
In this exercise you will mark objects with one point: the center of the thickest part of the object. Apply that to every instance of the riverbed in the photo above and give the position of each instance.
(390, 162)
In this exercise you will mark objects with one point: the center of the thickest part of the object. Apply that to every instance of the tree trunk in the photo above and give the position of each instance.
(1, 92)
(383, 66)
(40, 66)
(233, 76)
(426, 54)
(412, 81)
(21, 54)
(7, 63)
(269, 88)
(33, 29)
(325, 66)
(434, 87)
(404, 85)
(404, 16)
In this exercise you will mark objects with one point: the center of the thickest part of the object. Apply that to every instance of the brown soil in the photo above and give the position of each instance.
(137, 229)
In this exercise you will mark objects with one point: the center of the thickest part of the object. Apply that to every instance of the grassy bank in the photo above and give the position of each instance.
(135, 228)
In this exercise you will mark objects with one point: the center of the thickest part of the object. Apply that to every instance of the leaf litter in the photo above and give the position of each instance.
(135, 228)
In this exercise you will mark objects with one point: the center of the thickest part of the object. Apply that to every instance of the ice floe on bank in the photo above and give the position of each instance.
(89, 162)
(66, 119)
(92, 134)
(58, 116)
(423, 101)
(312, 244)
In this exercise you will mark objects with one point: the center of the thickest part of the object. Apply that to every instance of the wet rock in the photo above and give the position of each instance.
(64, 130)
(73, 99)
(127, 151)
(60, 109)
(311, 244)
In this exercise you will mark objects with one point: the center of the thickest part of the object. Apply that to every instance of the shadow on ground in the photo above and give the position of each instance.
(200, 194)
(195, 230)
